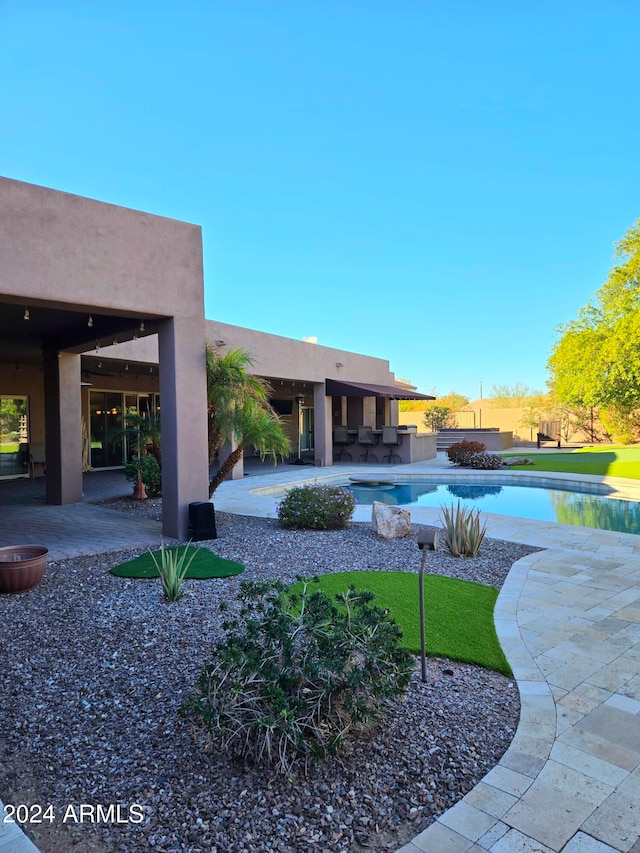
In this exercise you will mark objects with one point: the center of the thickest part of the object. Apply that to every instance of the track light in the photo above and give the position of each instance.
(142, 326)
(27, 316)
(90, 321)
(126, 367)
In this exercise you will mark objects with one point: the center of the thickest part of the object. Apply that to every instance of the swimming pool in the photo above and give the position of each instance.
(577, 505)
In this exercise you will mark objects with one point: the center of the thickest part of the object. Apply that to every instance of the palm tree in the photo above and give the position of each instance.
(142, 433)
(238, 408)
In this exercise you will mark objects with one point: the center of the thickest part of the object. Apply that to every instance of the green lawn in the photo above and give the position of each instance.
(458, 614)
(610, 460)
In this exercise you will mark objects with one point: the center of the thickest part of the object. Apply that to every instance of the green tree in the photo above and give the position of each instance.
(239, 410)
(596, 360)
(437, 417)
(513, 396)
(453, 401)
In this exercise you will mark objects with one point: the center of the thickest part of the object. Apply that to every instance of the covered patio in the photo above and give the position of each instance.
(80, 277)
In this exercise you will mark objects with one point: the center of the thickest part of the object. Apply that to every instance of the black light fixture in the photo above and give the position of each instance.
(427, 541)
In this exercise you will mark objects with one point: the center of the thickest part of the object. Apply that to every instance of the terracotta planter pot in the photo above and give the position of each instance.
(21, 567)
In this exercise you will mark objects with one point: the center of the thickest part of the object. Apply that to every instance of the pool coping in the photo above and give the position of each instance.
(590, 483)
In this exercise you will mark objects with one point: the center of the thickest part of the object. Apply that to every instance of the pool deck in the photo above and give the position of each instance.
(568, 619)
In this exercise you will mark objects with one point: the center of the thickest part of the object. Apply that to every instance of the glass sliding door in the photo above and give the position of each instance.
(14, 437)
(111, 443)
(306, 435)
(105, 417)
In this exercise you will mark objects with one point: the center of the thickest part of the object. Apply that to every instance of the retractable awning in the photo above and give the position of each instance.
(333, 388)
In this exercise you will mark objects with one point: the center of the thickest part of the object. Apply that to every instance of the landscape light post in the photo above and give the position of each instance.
(427, 541)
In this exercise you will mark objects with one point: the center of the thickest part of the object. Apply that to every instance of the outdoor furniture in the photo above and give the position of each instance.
(341, 439)
(391, 439)
(367, 440)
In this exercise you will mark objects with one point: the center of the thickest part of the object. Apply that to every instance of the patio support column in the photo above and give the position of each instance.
(393, 412)
(369, 411)
(322, 417)
(183, 398)
(63, 427)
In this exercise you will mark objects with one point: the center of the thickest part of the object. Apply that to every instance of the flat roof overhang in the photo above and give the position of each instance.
(333, 388)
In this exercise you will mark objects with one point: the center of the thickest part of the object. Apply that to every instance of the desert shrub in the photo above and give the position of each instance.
(151, 474)
(463, 534)
(460, 452)
(316, 507)
(486, 461)
(172, 567)
(295, 674)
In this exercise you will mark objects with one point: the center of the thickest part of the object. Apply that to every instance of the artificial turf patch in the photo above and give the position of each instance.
(603, 460)
(205, 564)
(458, 614)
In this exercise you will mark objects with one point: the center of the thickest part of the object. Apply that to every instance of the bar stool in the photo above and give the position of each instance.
(391, 439)
(367, 440)
(341, 440)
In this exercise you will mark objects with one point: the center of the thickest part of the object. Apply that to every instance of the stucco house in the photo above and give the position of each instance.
(102, 313)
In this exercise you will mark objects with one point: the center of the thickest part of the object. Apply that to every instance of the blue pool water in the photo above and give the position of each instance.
(562, 505)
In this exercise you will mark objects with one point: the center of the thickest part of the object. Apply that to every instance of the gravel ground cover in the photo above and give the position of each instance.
(95, 668)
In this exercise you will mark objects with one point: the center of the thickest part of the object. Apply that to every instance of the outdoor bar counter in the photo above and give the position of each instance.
(414, 447)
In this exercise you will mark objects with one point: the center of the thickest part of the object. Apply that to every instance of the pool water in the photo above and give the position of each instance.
(562, 505)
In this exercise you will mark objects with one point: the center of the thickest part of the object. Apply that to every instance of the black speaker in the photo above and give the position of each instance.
(202, 521)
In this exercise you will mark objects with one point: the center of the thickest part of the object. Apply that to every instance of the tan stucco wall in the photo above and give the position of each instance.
(62, 248)
(298, 360)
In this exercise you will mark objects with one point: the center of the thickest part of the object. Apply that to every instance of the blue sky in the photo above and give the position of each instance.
(435, 183)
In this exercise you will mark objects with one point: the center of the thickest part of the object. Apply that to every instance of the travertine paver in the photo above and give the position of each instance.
(572, 629)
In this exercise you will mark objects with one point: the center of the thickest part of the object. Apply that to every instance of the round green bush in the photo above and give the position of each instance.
(460, 452)
(295, 674)
(316, 507)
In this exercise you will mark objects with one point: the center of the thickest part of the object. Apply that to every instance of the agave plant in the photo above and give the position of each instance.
(172, 567)
(463, 534)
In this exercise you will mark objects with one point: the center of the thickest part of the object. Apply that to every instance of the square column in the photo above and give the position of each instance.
(322, 419)
(369, 411)
(63, 427)
(183, 401)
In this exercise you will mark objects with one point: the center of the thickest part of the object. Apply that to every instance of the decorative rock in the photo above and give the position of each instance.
(516, 460)
(390, 522)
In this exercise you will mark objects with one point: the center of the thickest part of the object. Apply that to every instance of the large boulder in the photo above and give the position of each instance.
(390, 522)
(516, 460)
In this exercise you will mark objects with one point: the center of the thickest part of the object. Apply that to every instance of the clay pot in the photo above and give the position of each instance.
(21, 566)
